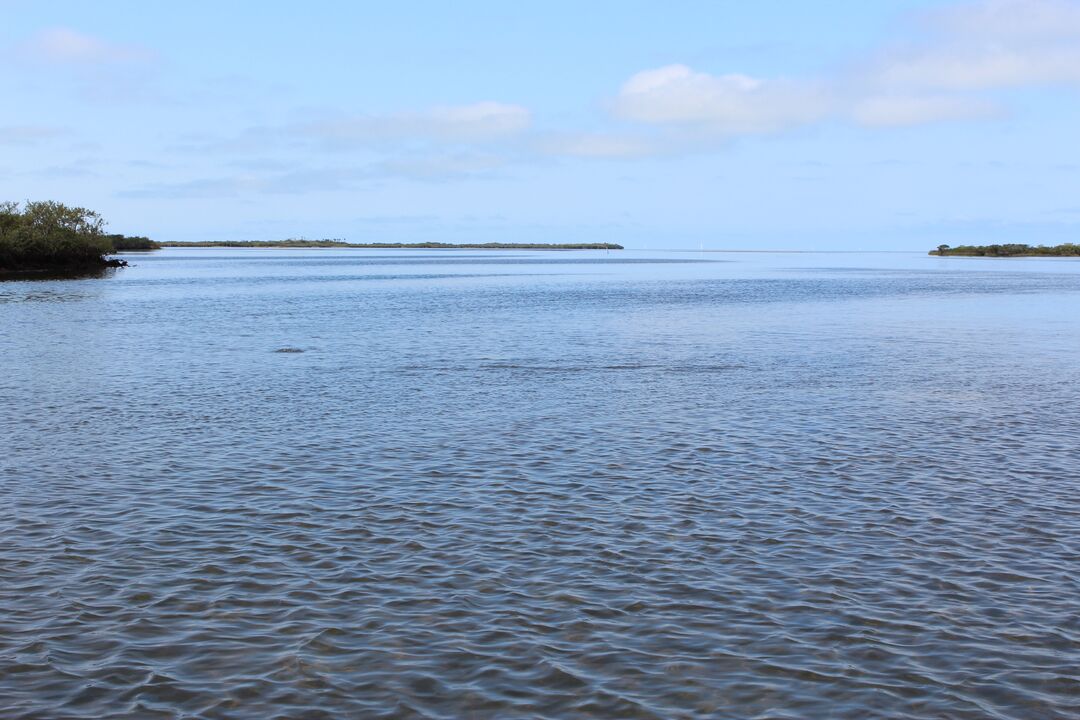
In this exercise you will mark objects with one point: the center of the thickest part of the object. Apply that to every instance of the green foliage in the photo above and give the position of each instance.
(1010, 250)
(48, 235)
(125, 243)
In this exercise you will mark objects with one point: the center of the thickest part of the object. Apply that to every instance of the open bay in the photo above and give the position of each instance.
(542, 485)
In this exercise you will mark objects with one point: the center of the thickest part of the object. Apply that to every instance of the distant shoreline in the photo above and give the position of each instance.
(1008, 250)
(392, 246)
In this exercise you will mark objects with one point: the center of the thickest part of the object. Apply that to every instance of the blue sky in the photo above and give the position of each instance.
(893, 124)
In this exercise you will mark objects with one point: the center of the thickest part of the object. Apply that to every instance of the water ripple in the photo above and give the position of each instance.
(592, 499)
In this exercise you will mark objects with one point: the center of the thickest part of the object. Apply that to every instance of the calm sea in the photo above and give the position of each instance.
(542, 485)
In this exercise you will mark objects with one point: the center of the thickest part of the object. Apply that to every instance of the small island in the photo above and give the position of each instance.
(301, 243)
(48, 237)
(1008, 250)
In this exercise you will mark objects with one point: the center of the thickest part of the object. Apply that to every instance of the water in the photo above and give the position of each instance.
(528, 485)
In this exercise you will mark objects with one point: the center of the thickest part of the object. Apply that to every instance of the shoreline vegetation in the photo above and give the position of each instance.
(50, 238)
(1009, 250)
(300, 243)
(132, 243)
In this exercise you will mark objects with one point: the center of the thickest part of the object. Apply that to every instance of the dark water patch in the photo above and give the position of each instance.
(96, 271)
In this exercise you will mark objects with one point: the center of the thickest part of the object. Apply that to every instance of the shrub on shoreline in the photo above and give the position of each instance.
(49, 237)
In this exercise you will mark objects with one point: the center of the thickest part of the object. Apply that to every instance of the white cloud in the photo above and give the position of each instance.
(965, 52)
(906, 110)
(1012, 19)
(65, 46)
(992, 44)
(983, 67)
(728, 104)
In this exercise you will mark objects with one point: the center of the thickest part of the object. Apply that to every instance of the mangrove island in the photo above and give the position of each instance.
(1009, 250)
(48, 237)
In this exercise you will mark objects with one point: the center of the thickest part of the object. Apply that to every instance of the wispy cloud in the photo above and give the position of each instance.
(944, 73)
(65, 46)
(982, 67)
(439, 167)
(1011, 19)
(907, 110)
(433, 145)
(297, 181)
(200, 188)
(87, 67)
(990, 44)
(67, 170)
(29, 134)
(296, 178)
(465, 129)
(475, 123)
(413, 219)
(595, 145)
(728, 104)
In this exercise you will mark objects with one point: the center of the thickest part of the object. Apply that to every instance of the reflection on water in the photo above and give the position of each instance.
(86, 273)
(504, 485)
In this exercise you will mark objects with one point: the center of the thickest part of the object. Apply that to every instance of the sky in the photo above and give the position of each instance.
(723, 124)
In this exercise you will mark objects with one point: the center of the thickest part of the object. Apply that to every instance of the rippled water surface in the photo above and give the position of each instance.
(529, 485)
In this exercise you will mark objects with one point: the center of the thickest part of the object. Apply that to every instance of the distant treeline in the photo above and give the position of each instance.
(396, 246)
(1009, 250)
(293, 243)
(50, 237)
(124, 243)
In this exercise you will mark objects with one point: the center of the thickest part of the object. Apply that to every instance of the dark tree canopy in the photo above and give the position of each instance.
(48, 236)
